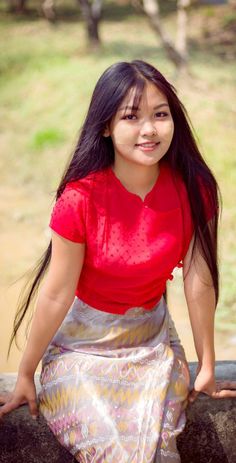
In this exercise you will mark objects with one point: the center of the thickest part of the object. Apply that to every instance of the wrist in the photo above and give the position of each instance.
(207, 358)
(26, 372)
(209, 366)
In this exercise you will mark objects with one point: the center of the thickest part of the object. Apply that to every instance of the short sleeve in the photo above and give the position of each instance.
(68, 214)
(210, 203)
(188, 229)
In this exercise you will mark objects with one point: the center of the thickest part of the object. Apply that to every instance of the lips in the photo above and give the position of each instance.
(147, 144)
(147, 147)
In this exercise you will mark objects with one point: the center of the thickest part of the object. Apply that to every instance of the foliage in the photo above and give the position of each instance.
(45, 138)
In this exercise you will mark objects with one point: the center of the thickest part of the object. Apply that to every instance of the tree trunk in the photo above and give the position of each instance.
(91, 11)
(48, 10)
(17, 6)
(182, 21)
(178, 58)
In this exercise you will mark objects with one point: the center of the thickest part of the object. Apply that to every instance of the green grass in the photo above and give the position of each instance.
(46, 138)
(46, 78)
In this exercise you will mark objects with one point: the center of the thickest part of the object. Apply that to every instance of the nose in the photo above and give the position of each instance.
(148, 129)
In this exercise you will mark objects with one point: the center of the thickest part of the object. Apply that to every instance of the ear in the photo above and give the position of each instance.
(106, 132)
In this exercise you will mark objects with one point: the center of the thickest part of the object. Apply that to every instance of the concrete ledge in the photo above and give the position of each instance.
(209, 436)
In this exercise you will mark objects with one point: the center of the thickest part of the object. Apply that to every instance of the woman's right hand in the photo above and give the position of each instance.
(24, 393)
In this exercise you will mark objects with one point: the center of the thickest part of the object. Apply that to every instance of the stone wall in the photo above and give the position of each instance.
(209, 436)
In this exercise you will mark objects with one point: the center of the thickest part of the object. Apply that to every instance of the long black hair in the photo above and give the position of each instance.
(95, 152)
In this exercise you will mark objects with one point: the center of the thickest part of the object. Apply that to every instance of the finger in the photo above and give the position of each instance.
(193, 395)
(5, 397)
(8, 407)
(226, 385)
(223, 394)
(33, 408)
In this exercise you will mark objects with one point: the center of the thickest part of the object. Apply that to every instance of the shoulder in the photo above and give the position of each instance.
(174, 179)
(86, 185)
(201, 192)
(79, 191)
(170, 173)
(69, 214)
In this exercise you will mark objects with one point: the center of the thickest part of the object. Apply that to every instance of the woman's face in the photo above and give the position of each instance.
(142, 135)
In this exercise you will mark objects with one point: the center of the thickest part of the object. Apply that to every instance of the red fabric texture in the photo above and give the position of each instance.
(132, 246)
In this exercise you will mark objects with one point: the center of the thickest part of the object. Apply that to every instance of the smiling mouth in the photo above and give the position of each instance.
(147, 144)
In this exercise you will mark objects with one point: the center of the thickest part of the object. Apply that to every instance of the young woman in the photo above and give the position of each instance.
(136, 200)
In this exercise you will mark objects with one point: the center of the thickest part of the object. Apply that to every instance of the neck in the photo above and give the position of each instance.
(136, 178)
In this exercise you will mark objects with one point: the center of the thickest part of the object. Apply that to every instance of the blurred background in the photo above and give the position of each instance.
(51, 55)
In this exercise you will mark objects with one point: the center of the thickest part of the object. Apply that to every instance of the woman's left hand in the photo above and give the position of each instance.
(205, 382)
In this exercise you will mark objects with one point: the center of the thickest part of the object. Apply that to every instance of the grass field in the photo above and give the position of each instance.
(46, 77)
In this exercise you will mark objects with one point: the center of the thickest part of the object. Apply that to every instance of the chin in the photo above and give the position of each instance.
(149, 161)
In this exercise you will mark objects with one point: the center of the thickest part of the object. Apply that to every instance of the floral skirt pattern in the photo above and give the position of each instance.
(114, 387)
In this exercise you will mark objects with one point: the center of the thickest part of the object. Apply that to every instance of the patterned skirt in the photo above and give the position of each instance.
(114, 387)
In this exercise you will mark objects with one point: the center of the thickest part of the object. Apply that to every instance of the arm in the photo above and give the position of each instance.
(200, 298)
(54, 301)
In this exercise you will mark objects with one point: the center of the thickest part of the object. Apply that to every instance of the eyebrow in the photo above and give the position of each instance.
(135, 108)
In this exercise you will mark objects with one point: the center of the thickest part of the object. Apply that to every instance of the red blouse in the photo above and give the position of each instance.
(132, 246)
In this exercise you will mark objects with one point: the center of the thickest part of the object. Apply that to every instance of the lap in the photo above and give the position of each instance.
(107, 404)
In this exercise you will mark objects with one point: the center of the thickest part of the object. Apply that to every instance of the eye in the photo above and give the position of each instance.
(129, 117)
(161, 114)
